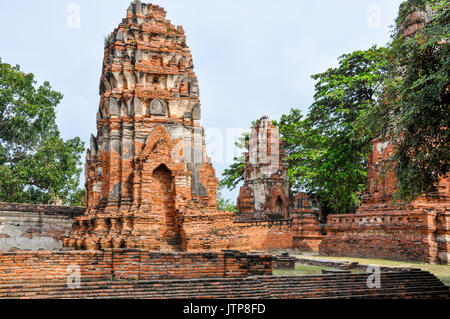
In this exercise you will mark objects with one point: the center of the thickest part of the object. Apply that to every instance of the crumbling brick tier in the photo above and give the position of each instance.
(266, 190)
(147, 165)
(398, 283)
(403, 234)
(35, 227)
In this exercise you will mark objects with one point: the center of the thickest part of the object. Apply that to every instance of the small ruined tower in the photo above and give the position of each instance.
(147, 165)
(382, 182)
(265, 193)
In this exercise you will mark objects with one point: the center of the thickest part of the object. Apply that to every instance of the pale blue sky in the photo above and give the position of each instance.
(252, 57)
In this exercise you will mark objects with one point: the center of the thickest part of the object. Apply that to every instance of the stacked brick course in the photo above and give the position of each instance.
(400, 283)
(35, 227)
(128, 264)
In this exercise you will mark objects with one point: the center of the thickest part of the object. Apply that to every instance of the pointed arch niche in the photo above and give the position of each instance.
(159, 196)
(278, 202)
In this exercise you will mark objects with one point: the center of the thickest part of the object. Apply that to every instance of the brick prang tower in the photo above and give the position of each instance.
(266, 190)
(147, 165)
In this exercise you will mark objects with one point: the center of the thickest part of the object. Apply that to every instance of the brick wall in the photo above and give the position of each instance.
(45, 266)
(418, 231)
(34, 227)
(43, 227)
(408, 234)
(217, 230)
(266, 235)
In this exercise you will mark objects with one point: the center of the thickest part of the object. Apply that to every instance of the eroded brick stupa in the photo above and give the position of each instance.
(266, 190)
(147, 166)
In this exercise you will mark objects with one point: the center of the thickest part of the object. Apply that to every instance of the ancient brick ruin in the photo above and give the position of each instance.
(134, 274)
(35, 227)
(266, 193)
(151, 186)
(147, 166)
(419, 230)
(266, 190)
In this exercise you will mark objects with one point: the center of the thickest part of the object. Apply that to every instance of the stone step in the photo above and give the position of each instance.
(386, 286)
(401, 284)
(353, 293)
(112, 293)
(308, 278)
(410, 295)
(362, 280)
(127, 294)
(404, 281)
(145, 292)
(183, 285)
(356, 289)
(158, 287)
(297, 280)
(352, 279)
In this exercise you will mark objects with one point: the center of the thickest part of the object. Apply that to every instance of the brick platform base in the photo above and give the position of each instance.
(397, 284)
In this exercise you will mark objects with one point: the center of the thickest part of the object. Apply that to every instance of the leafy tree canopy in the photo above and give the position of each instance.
(400, 92)
(416, 114)
(328, 149)
(36, 165)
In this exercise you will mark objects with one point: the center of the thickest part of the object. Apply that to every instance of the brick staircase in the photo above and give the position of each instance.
(156, 289)
(395, 284)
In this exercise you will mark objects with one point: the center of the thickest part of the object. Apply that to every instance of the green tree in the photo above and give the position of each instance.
(328, 149)
(416, 114)
(233, 175)
(36, 165)
(225, 204)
